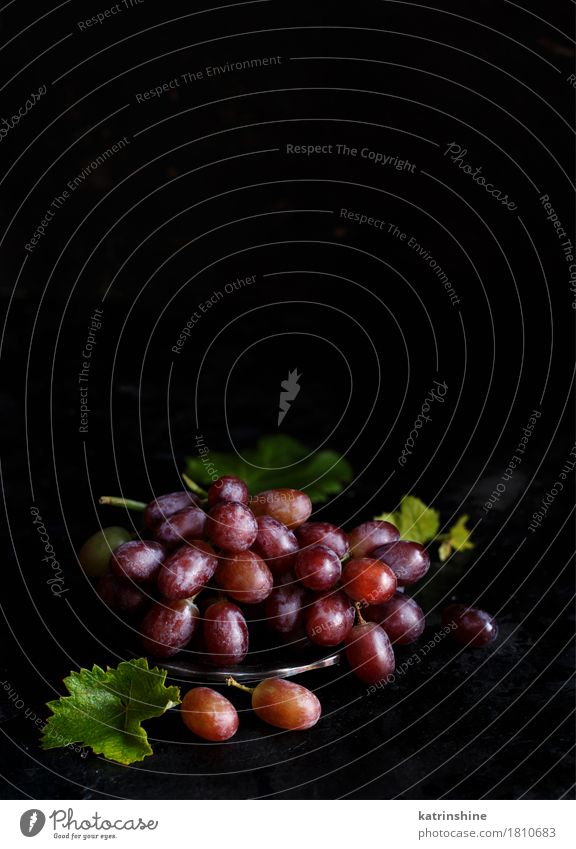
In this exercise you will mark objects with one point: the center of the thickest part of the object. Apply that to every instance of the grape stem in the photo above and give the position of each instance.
(231, 682)
(193, 486)
(128, 503)
(361, 620)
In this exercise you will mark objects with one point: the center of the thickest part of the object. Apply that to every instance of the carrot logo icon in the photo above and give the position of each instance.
(290, 389)
(32, 822)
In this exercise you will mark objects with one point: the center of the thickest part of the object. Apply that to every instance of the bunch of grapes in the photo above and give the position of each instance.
(256, 559)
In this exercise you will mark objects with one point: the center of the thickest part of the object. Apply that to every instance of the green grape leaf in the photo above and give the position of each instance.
(105, 710)
(414, 520)
(457, 539)
(277, 460)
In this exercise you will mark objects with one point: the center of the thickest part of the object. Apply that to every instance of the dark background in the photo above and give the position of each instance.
(206, 194)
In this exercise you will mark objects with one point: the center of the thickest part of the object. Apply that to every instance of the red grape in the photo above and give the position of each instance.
(401, 617)
(284, 608)
(474, 627)
(369, 581)
(311, 533)
(408, 560)
(168, 627)
(245, 577)
(289, 506)
(285, 704)
(231, 526)
(165, 505)
(329, 619)
(228, 488)
(368, 536)
(276, 544)
(370, 653)
(137, 560)
(182, 526)
(318, 567)
(120, 596)
(225, 634)
(209, 714)
(187, 570)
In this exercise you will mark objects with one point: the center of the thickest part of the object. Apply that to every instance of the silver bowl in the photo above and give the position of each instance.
(202, 673)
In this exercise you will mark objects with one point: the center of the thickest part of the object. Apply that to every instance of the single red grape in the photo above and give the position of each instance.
(285, 704)
(209, 714)
(165, 505)
(137, 560)
(182, 526)
(120, 596)
(276, 544)
(318, 567)
(329, 619)
(368, 536)
(408, 560)
(284, 608)
(231, 526)
(245, 577)
(401, 617)
(168, 627)
(474, 627)
(368, 580)
(187, 570)
(370, 653)
(225, 634)
(228, 488)
(311, 533)
(289, 506)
